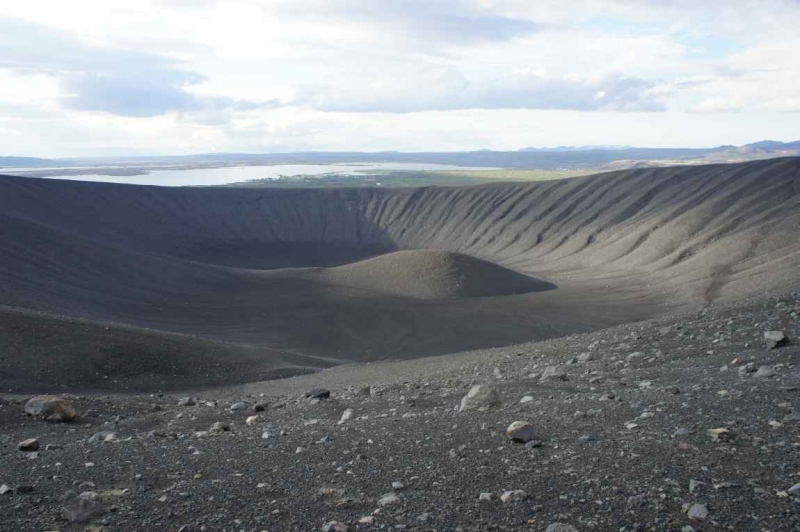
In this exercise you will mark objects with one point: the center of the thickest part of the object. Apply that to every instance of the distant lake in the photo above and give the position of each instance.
(236, 174)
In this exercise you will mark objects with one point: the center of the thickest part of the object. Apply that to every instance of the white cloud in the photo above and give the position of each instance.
(192, 75)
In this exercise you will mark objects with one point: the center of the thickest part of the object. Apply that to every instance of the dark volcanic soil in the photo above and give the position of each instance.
(205, 286)
(623, 442)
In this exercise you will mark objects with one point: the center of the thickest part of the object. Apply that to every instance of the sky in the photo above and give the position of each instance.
(146, 77)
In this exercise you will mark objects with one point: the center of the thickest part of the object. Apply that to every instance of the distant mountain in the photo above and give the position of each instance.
(32, 162)
(578, 148)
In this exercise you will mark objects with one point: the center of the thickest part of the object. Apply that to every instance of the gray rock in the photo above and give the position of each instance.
(29, 445)
(81, 509)
(389, 499)
(585, 357)
(794, 490)
(219, 426)
(186, 401)
(485, 496)
(520, 432)
(697, 511)
(553, 373)
(335, 526)
(764, 372)
(236, 407)
(50, 408)
(318, 393)
(480, 397)
(774, 339)
(560, 527)
(5, 488)
(513, 496)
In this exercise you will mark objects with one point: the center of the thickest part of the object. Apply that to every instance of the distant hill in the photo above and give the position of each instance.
(31, 162)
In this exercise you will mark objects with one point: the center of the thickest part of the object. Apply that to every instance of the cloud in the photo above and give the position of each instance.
(517, 90)
(99, 77)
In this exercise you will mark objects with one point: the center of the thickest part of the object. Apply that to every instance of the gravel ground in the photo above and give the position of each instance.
(624, 438)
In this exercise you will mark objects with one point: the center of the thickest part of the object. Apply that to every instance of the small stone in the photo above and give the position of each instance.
(219, 426)
(480, 397)
(485, 496)
(526, 399)
(513, 496)
(764, 372)
(774, 339)
(252, 420)
(560, 527)
(29, 445)
(50, 408)
(5, 488)
(553, 373)
(585, 357)
(346, 415)
(236, 407)
(720, 434)
(366, 520)
(335, 526)
(794, 490)
(318, 393)
(186, 401)
(389, 499)
(697, 511)
(634, 356)
(520, 432)
(259, 407)
(397, 485)
(82, 509)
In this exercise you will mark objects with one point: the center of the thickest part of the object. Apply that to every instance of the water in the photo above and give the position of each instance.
(237, 174)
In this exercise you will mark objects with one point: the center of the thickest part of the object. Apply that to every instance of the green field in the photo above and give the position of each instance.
(422, 178)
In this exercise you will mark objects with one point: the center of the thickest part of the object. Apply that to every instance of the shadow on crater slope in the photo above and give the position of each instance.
(199, 286)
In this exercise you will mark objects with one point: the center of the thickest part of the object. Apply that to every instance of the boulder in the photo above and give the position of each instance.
(520, 432)
(480, 397)
(774, 339)
(50, 408)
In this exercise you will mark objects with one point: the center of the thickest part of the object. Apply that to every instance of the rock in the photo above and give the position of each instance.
(520, 432)
(794, 490)
(396, 485)
(219, 426)
(335, 526)
(485, 496)
(513, 496)
(720, 434)
(236, 407)
(774, 339)
(102, 437)
(347, 414)
(389, 499)
(318, 393)
(764, 372)
(252, 420)
(186, 401)
(365, 391)
(50, 408)
(585, 357)
(526, 399)
(82, 509)
(259, 407)
(553, 373)
(697, 511)
(560, 527)
(29, 445)
(634, 356)
(5, 488)
(366, 520)
(480, 397)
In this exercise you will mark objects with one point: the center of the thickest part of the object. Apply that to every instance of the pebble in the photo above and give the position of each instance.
(526, 399)
(764, 372)
(347, 414)
(513, 496)
(235, 407)
(485, 496)
(520, 432)
(774, 339)
(29, 445)
(252, 420)
(553, 373)
(335, 526)
(480, 397)
(389, 499)
(697, 511)
(560, 527)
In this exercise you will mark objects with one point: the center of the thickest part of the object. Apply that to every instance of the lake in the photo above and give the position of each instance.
(236, 174)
